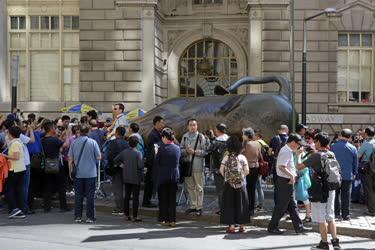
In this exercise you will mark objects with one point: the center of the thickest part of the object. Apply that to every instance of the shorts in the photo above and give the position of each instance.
(324, 212)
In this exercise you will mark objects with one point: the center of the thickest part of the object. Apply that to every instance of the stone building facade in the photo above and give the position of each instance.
(142, 52)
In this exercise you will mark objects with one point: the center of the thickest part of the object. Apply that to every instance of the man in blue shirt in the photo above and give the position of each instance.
(364, 153)
(347, 156)
(85, 179)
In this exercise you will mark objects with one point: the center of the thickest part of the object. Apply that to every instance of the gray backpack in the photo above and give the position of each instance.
(331, 170)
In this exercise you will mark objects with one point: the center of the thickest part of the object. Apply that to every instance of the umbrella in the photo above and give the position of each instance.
(77, 108)
(135, 113)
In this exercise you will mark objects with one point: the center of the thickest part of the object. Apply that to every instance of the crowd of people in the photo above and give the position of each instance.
(41, 157)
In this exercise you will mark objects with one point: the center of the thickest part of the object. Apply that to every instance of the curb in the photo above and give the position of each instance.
(258, 222)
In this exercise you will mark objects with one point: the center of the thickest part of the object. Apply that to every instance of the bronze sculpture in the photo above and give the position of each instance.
(264, 111)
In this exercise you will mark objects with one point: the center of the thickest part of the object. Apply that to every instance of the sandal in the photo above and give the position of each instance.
(231, 230)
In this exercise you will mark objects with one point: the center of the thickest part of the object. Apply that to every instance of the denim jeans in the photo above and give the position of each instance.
(259, 194)
(342, 201)
(26, 185)
(84, 187)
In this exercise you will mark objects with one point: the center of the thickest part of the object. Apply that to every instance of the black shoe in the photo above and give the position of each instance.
(336, 244)
(275, 231)
(218, 213)
(307, 220)
(149, 205)
(190, 210)
(303, 230)
(137, 219)
(29, 212)
(368, 213)
(199, 212)
(322, 245)
(338, 218)
(347, 218)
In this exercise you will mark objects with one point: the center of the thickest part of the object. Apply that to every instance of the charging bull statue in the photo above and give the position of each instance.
(264, 111)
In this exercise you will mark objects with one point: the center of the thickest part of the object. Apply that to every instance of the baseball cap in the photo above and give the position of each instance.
(221, 127)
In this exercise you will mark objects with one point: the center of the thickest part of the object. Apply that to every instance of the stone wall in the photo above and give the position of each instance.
(111, 42)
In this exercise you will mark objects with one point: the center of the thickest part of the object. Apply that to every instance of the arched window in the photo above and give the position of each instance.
(204, 65)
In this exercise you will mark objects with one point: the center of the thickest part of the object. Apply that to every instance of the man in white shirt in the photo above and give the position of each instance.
(286, 177)
(120, 119)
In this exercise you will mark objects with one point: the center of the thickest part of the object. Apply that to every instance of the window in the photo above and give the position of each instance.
(208, 1)
(17, 22)
(46, 38)
(71, 22)
(204, 65)
(355, 67)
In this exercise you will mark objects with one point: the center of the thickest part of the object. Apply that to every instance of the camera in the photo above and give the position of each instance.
(60, 128)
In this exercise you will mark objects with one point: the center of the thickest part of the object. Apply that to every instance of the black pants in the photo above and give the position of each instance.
(14, 190)
(167, 201)
(69, 182)
(51, 183)
(36, 185)
(147, 192)
(342, 199)
(251, 181)
(219, 184)
(369, 187)
(274, 179)
(285, 202)
(131, 190)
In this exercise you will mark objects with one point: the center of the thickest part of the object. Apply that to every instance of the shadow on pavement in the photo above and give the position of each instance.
(309, 245)
(192, 232)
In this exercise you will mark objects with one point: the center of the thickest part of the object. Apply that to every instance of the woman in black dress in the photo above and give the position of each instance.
(234, 168)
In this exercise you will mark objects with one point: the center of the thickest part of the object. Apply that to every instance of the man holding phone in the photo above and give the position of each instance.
(286, 178)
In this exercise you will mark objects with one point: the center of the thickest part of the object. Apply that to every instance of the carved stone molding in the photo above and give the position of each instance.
(172, 36)
(207, 29)
(242, 34)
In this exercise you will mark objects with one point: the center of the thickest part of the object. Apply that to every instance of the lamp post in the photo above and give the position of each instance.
(14, 78)
(304, 96)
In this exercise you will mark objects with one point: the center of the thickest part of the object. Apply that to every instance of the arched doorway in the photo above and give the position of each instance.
(205, 64)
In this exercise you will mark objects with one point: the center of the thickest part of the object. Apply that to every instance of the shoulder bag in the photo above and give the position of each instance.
(187, 166)
(51, 165)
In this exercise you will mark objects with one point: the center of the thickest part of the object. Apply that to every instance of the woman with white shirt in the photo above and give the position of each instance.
(14, 183)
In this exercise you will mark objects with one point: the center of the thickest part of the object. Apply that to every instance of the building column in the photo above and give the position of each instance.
(255, 47)
(4, 86)
(148, 57)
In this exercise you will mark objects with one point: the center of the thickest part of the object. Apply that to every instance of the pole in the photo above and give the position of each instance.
(291, 66)
(304, 97)
(15, 64)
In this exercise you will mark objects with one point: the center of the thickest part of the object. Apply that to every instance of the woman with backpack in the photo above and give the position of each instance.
(234, 168)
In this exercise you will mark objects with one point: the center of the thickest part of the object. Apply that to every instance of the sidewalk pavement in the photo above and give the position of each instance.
(360, 225)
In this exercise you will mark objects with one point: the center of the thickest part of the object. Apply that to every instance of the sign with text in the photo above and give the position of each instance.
(324, 118)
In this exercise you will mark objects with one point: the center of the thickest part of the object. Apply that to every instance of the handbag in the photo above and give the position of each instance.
(52, 165)
(187, 166)
(75, 166)
(264, 169)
